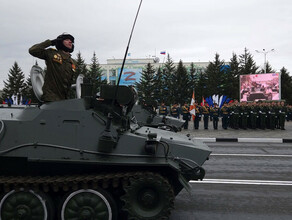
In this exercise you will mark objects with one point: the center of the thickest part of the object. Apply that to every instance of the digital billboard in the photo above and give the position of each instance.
(255, 87)
(130, 76)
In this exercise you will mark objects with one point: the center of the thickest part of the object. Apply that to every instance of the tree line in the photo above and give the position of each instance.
(168, 83)
(172, 84)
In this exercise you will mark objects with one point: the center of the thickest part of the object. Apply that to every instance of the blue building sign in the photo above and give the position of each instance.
(130, 76)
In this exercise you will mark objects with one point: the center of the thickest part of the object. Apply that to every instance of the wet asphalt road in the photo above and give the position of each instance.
(243, 181)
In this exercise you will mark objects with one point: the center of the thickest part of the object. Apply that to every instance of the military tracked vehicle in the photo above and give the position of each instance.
(85, 159)
(146, 116)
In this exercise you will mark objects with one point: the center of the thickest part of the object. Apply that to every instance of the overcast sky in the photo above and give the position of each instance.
(189, 30)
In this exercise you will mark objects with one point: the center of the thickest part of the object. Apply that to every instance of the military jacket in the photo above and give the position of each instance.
(252, 110)
(235, 109)
(243, 109)
(224, 110)
(198, 110)
(214, 111)
(174, 112)
(272, 110)
(163, 110)
(205, 110)
(185, 110)
(283, 109)
(60, 71)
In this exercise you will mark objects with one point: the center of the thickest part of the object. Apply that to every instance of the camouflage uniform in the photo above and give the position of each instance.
(60, 71)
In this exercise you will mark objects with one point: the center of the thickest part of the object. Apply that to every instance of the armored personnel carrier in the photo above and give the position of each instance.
(84, 159)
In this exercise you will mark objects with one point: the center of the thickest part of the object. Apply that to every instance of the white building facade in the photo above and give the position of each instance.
(133, 69)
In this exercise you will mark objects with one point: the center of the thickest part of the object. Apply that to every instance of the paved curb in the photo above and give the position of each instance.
(246, 140)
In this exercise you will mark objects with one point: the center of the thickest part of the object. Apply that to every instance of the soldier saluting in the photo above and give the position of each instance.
(198, 116)
(60, 66)
(206, 113)
(174, 111)
(225, 114)
(215, 114)
(163, 109)
(186, 115)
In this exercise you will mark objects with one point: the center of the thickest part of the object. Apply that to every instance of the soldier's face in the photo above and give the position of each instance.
(67, 43)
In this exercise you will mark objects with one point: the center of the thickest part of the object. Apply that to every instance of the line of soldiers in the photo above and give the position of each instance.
(207, 113)
(176, 111)
(262, 115)
(253, 115)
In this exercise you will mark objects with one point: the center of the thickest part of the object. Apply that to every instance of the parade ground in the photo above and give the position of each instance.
(240, 133)
(243, 180)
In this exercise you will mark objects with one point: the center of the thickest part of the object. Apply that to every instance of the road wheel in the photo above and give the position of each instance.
(25, 205)
(148, 196)
(88, 204)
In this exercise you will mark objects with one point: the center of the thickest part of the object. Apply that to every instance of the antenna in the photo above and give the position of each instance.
(125, 56)
(107, 142)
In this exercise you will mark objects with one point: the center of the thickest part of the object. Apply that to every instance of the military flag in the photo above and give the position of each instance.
(203, 101)
(192, 106)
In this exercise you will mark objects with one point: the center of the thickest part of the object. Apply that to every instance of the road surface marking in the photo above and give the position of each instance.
(254, 155)
(246, 182)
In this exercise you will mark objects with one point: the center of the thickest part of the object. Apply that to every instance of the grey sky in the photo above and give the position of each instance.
(189, 30)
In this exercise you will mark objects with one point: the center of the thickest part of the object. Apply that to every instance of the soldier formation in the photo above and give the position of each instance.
(257, 115)
(235, 115)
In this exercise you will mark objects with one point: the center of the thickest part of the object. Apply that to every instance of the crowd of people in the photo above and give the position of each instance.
(235, 115)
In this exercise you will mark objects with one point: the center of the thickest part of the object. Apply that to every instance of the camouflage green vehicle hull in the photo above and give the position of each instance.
(56, 162)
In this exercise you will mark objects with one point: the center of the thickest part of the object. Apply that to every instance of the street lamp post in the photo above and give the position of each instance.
(264, 51)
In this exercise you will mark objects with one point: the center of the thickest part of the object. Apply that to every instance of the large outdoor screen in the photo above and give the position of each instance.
(255, 87)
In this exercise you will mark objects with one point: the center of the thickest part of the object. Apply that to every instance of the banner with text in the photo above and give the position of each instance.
(130, 76)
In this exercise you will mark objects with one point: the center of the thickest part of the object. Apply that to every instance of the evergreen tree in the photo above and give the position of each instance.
(145, 87)
(269, 69)
(286, 85)
(247, 64)
(95, 74)
(15, 83)
(231, 88)
(215, 77)
(80, 67)
(193, 80)
(201, 85)
(28, 93)
(158, 86)
(180, 85)
(167, 86)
